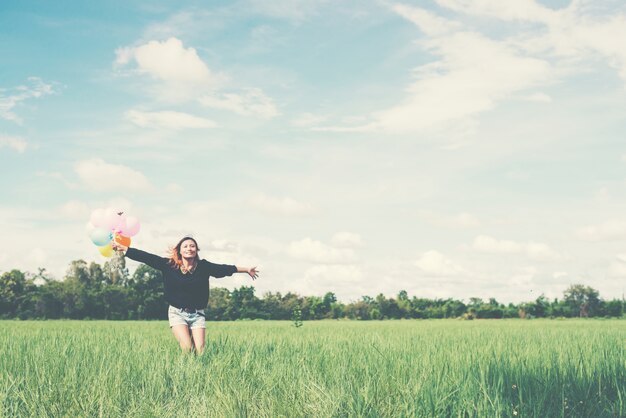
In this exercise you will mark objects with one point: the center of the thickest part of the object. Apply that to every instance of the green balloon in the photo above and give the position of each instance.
(100, 237)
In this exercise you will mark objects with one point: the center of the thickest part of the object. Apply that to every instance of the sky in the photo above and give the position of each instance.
(449, 148)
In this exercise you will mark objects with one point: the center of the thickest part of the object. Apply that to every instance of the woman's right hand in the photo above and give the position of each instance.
(118, 247)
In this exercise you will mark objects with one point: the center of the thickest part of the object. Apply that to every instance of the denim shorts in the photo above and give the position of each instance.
(180, 317)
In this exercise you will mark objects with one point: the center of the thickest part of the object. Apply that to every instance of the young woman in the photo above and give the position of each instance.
(186, 279)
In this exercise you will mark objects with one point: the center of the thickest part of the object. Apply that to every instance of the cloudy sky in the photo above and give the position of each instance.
(451, 148)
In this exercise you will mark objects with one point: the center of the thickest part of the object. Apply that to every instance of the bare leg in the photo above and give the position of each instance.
(181, 332)
(198, 339)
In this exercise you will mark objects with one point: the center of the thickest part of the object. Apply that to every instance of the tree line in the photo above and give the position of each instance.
(94, 291)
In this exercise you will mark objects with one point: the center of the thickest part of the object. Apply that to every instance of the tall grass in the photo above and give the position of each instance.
(441, 368)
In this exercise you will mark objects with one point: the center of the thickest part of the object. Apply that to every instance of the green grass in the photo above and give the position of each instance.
(439, 368)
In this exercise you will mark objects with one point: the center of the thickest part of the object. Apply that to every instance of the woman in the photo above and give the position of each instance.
(186, 279)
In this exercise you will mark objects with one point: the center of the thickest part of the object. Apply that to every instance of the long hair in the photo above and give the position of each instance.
(175, 258)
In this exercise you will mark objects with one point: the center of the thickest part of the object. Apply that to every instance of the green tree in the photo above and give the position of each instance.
(115, 272)
(244, 305)
(313, 308)
(328, 301)
(582, 299)
(219, 302)
(12, 288)
(148, 292)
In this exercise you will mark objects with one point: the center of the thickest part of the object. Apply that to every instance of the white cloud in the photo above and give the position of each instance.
(346, 240)
(167, 120)
(98, 175)
(177, 72)
(506, 10)
(318, 252)
(180, 75)
(461, 84)
(474, 72)
(472, 75)
(35, 90)
(168, 61)
(281, 205)
(429, 23)
(433, 263)
(251, 102)
(533, 250)
(569, 32)
(607, 231)
(13, 142)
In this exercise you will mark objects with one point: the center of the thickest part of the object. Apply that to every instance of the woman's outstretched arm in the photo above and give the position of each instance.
(252, 271)
(151, 260)
(223, 270)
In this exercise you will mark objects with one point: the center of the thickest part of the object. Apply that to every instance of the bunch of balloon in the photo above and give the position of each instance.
(108, 225)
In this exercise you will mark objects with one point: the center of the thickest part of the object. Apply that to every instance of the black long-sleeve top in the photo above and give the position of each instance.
(190, 290)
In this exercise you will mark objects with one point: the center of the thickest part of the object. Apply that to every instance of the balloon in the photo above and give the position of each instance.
(132, 226)
(97, 218)
(122, 240)
(121, 223)
(106, 251)
(100, 236)
(111, 219)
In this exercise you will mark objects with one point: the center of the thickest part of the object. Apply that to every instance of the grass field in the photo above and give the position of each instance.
(439, 368)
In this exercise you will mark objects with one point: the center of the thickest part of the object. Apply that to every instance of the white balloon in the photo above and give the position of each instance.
(97, 218)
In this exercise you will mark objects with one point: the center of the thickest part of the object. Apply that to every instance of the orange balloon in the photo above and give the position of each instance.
(122, 240)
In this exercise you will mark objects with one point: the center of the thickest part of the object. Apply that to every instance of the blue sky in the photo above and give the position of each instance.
(451, 148)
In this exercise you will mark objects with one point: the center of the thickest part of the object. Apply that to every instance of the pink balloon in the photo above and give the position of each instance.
(121, 223)
(111, 219)
(132, 226)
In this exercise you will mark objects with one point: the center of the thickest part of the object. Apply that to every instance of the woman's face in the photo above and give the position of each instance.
(188, 249)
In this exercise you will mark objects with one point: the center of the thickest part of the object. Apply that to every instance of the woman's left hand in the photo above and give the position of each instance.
(253, 272)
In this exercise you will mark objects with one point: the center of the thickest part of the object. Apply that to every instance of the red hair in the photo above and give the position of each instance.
(175, 258)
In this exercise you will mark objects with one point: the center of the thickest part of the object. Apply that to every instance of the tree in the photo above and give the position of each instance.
(453, 308)
(329, 300)
(219, 301)
(582, 299)
(537, 309)
(147, 284)
(358, 310)
(614, 308)
(244, 305)
(115, 271)
(313, 308)
(475, 303)
(271, 303)
(404, 304)
(12, 287)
